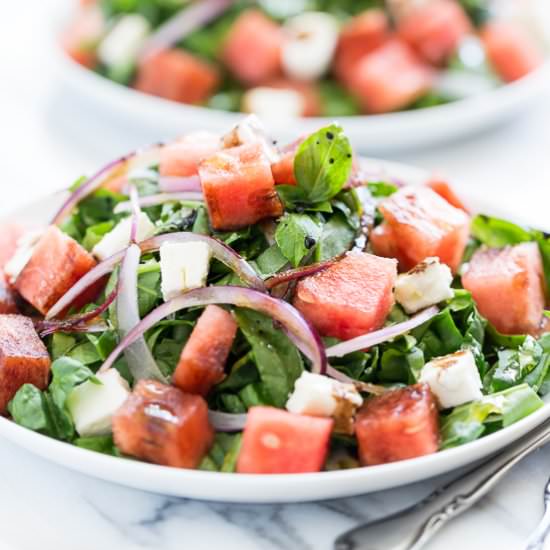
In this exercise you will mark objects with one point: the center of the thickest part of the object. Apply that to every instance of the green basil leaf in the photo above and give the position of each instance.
(296, 235)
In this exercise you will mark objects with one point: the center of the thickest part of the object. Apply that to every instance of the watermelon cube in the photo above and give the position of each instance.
(24, 358)
(397, 425)
(203, 357)
(389, 78)
(511, 51)
(419, 224)
(81, 37)
(435, 29)
(444, 190)
(252, 50)
(507, 285)
(177, 75)
(360, 36)
(56, 264)
(238, 187)
(279, 442)
(351, 297)
(182, 157)
(163, 425)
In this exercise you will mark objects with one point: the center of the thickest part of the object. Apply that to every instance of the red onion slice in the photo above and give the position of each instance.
(227, 422)
(136, 211)
(170, 184)
(141, 362)
(220, 251)
(298, 273)
(295, 326)
(75, 323)
(99, 271)
(383, 335)
(182, 24)
(87, 188)
(161, 198)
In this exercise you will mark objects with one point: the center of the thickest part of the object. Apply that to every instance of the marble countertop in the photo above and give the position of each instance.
(48, 137)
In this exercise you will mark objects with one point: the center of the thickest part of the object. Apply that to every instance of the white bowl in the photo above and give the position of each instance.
(262, 488)
(368, 133)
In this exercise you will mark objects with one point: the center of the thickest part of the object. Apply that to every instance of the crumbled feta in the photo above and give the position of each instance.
(311, 42)
(251, 130)
(93, 405)
(183, 266)
(424, 285)
(318, 395)
(122, 43)
(22, 255)
(119, 237)
(273, 103)
(454, 379)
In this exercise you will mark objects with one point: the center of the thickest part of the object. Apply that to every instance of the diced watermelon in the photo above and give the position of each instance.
(238, 187)
(360, 36)
(508, 287)
(444, 190)
(23, 357)
(10, 233)
(177, 75)
(279, 442)
(182, 157)
(80, 38)
(162, 424)
(390, 78)
(435, 29)
(511, 51)
(308, 91)
(203, 357)
(351, 297)
(56, 264)
(252, 50)
(397, 425)
(421, 224)
(283, 169)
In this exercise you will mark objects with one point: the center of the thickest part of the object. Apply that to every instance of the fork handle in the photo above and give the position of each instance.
(541, 531)
(412, 528)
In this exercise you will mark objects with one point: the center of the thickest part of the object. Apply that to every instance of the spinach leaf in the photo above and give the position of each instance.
(28, 409)
(401, 361)
(271, 261)
(101, 444)
(381, 189)
(296, 235)
(336, 238)
(278, 362)
(224, 453)
(66, 375)
(322, 166)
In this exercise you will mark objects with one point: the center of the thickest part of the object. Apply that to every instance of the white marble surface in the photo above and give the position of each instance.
(47, 138)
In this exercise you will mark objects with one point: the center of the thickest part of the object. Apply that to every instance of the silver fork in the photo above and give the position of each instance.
(540, 533)
(413, 527)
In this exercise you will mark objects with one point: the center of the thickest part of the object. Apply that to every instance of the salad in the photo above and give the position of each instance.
(307, 57)
(216, 301)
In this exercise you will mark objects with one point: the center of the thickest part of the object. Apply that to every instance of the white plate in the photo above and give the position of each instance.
(261, 488)
(369, 133)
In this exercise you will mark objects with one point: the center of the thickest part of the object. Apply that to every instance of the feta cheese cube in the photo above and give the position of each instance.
(312, 38)
(454, 379)
(318, 395)
(273, 103)
(119, 237)
(424, 285)
(122, 43)
(92, 405)
(183, 266)
(251, 130)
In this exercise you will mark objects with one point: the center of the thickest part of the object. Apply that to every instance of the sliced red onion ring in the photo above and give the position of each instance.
(161, 198)
(298, 273)
(75, 323)
(170, 184)
(136, 211)
(141, 362)
(383, 335)
(295, 326)
(227, 422)
(220, 251)
(88, 187)
(45, 328)
(182, 24)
